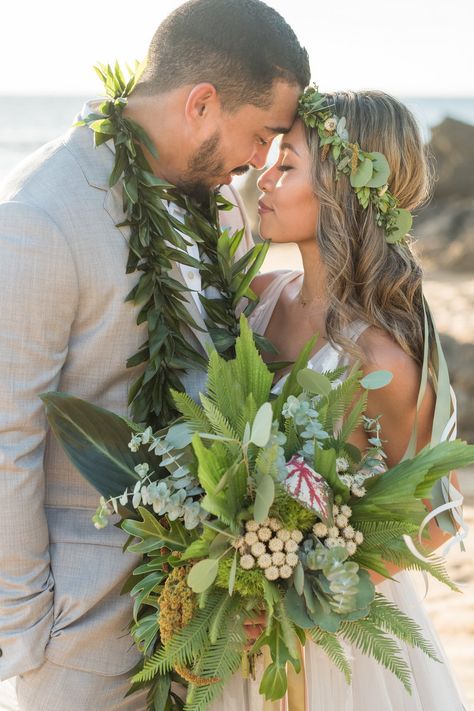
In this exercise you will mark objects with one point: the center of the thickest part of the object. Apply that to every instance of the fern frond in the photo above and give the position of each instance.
(354, 418)
(219, 423)
(372, 641)
(335, 374)
(191, 411)
(398, 553)
(219, 618)
(380, 533)
(390, 618)
(220, 660)
(292, 443)
(333, 648)
(184, 646)
(338, 401)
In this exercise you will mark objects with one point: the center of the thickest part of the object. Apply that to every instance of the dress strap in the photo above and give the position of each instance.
(261, 315)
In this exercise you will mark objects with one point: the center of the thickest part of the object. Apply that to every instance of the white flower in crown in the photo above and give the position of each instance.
(307, 486)
(330, 124)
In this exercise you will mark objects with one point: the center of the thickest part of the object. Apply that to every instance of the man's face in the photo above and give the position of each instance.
(239, 140)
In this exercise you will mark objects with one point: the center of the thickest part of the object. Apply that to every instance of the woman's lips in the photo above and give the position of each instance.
(262, 208)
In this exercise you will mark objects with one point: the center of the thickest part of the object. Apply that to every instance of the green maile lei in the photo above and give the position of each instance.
(368, 172)
(157, 241)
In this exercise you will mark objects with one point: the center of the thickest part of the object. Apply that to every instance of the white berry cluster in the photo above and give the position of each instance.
(341, 533)
(269, 546)
(353, 481)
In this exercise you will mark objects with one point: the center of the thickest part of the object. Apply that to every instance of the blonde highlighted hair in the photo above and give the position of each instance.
(368, 278)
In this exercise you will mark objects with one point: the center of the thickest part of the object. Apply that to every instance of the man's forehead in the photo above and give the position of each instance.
(278, 129)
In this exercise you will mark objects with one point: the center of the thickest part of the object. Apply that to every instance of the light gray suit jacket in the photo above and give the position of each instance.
(64, 325)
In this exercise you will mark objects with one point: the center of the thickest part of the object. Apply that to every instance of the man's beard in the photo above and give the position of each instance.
(203, 169)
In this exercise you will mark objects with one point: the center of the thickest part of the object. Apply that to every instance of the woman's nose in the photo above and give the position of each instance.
(265, 182)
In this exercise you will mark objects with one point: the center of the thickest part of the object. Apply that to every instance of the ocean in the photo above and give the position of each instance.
(27, 122)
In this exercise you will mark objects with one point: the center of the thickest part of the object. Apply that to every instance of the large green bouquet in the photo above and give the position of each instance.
(254, 502)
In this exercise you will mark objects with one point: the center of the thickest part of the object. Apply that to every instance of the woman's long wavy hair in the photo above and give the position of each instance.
(368, 278)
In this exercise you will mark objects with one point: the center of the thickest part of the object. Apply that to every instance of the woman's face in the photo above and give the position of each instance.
(288, 208)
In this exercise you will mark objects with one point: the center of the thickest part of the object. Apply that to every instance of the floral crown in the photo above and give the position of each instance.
(368, 172)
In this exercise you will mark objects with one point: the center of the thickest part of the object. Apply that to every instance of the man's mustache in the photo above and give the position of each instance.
(240, 170)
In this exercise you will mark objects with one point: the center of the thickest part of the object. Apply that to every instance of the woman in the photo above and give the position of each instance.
(363, 296)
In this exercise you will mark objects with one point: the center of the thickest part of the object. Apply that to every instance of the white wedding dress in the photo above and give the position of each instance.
(373, 688)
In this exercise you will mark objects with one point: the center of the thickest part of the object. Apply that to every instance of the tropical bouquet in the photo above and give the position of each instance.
(255, 502)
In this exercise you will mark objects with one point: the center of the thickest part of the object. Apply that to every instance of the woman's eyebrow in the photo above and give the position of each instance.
(287, 146)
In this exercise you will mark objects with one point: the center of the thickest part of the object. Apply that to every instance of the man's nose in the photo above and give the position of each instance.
(259, 158)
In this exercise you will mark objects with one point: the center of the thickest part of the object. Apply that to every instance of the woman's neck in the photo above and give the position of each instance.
(313, 292)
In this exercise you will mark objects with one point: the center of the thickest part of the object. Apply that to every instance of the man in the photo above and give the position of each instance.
(221, 81)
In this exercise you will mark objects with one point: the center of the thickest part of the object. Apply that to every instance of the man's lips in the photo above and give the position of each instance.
(262, 208)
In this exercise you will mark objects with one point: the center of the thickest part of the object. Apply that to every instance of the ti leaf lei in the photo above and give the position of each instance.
(157, 241)
(368, 172)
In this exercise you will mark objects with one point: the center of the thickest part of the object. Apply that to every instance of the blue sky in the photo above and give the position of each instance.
(407, 47)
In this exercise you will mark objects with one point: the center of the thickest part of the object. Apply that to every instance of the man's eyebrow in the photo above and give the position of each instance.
(278, 130)
(287, 146)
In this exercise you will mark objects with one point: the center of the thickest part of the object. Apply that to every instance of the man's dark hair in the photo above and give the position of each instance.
(239, 46)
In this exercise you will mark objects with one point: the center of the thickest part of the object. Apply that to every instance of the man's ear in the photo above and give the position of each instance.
(202, 103)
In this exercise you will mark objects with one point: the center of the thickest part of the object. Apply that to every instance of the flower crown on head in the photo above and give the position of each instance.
(368, 172)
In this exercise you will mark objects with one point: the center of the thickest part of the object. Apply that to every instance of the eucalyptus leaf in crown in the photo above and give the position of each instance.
(157, 241)
(368, 172)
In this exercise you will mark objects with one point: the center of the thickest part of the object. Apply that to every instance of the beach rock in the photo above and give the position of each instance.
(445, 234)
(460, 357)
(452, 145)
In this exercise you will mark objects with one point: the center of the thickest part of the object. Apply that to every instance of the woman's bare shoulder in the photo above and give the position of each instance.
(381, 351)
(263, 281)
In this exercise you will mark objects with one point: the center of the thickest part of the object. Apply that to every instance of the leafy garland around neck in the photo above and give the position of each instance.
(368, 172)
(157, 242)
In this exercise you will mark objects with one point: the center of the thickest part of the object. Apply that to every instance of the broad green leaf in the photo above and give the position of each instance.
(363, 174)
(403, 226)
(202, 574)
(298, 578)
(381, 170)
(264, 496)
(314, 382)
(262, 425)
(377, 379)
(96, 442)
(174, 537)
(197, 549)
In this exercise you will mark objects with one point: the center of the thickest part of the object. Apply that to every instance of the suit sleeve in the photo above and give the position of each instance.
(38, 299)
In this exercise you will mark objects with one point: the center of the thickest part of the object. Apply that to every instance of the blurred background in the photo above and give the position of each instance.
(419, 50)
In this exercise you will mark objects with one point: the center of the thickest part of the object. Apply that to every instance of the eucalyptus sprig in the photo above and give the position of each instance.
(368, 172)
(157, 242)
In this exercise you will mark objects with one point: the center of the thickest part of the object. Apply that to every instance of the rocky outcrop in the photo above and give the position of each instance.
(460, 359)
(445, 227)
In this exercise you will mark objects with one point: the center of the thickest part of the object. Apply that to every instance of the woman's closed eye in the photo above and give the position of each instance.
(284, 168)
